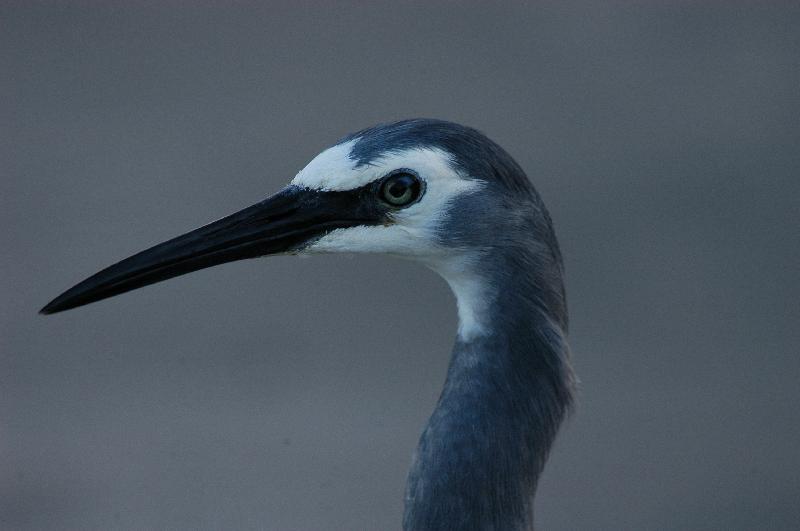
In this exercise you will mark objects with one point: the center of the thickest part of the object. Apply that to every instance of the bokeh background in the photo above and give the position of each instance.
(288, 394)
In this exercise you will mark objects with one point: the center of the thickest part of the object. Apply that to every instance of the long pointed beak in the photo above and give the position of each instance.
(282, 223)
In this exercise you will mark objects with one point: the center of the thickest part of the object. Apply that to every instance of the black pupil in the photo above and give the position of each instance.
(401, 189)
(398, 188)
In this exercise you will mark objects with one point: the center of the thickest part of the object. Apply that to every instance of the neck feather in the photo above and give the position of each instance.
(508, 387)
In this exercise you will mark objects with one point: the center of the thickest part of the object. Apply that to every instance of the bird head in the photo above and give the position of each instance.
(428, 190)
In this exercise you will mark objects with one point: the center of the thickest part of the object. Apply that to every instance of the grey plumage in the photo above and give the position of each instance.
(506, 393)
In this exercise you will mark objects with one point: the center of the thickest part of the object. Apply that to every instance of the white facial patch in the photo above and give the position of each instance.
(333, 169)
(413, 233)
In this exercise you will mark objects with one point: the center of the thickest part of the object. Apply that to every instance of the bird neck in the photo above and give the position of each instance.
(508, 387)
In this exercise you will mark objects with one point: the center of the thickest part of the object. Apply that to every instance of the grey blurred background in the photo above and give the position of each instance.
(288, 394)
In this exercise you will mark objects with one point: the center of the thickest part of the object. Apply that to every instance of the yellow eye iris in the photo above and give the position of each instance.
(400, 189)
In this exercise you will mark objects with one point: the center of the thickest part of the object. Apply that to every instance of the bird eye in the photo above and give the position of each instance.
(401, 189)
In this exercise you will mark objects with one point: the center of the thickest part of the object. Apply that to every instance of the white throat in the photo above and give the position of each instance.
(474, 295)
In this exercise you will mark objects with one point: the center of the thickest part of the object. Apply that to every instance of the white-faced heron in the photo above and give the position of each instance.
(449, 197)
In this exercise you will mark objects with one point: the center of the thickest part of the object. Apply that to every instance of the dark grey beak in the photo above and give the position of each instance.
(282, 223)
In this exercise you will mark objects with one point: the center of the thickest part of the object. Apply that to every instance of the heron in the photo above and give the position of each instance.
(446, 196)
